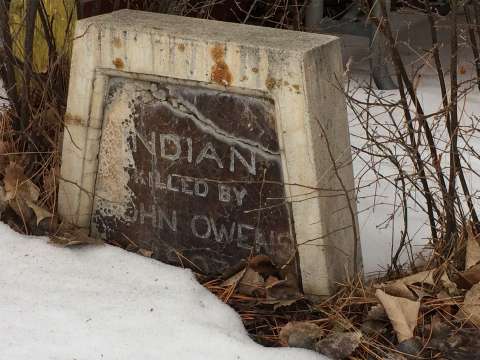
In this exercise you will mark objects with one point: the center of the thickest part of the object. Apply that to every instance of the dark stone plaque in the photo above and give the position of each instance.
(203, 173)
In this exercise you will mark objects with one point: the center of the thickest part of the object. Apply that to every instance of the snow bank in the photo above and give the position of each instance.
(105, 303)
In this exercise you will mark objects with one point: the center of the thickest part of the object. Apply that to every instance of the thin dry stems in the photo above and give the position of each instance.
(35, 119)
(416, 148)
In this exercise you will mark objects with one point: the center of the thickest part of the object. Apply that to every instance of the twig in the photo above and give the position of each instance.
(473, 42)
(7, 70)
(31, 14)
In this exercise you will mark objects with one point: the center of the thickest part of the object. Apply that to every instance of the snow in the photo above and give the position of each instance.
(378, 199)
(380, 231)
(102, 302)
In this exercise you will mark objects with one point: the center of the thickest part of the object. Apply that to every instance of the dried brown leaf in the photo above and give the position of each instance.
(263, 265)
(69, 236)
(17, 184)
(423, 277)
(40, 212)
(472, 255)
(284, 303)
(234, 279)
(19, 190)
(413, 286)
(251, 283)
(145, 252)
(398, 288)
(272, 281)
(470, 309)
(448, 284)
(283, 290)
(469, 277)
(403, 314)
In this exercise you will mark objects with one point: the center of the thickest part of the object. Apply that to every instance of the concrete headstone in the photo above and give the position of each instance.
(202, 142)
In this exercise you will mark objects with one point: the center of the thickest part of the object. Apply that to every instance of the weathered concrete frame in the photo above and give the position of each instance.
(299, 71)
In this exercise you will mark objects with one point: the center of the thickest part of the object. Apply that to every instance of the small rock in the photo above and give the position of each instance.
(301, 335)
(339, 345)
(373, 327)
(459, 344)
(377, 313)
(411, 347)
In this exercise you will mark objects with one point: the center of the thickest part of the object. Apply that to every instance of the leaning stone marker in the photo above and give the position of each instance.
(203, 142)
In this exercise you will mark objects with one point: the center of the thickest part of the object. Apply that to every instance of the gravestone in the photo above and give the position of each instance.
(204, 143)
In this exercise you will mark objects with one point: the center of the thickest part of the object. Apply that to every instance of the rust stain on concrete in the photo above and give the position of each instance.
(117, 42)
(272, 83)
(72, 119)
(119, 64)
(220, 71)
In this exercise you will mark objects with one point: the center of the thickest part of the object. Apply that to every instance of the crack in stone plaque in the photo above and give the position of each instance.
(192, 174)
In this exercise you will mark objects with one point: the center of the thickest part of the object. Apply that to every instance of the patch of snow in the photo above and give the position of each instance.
(379, 203)
(106, 303)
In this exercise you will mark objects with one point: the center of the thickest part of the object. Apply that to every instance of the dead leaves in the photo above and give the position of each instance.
(251, 283)
(470, 310)
(20, 191)
(145, 252)
(40, 213)
(472, 256)
(69, 235)
(403, 314)
(308, 335)
(22, 196)
(425, 309)
(263, 281)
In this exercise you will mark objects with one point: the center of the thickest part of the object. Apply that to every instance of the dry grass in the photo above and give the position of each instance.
(347, 311)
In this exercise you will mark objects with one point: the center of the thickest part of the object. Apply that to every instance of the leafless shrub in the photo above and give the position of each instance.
(428, 152)
(273, 13)
(37, 97)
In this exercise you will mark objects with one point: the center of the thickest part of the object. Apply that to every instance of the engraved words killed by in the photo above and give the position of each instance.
(205, 174)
